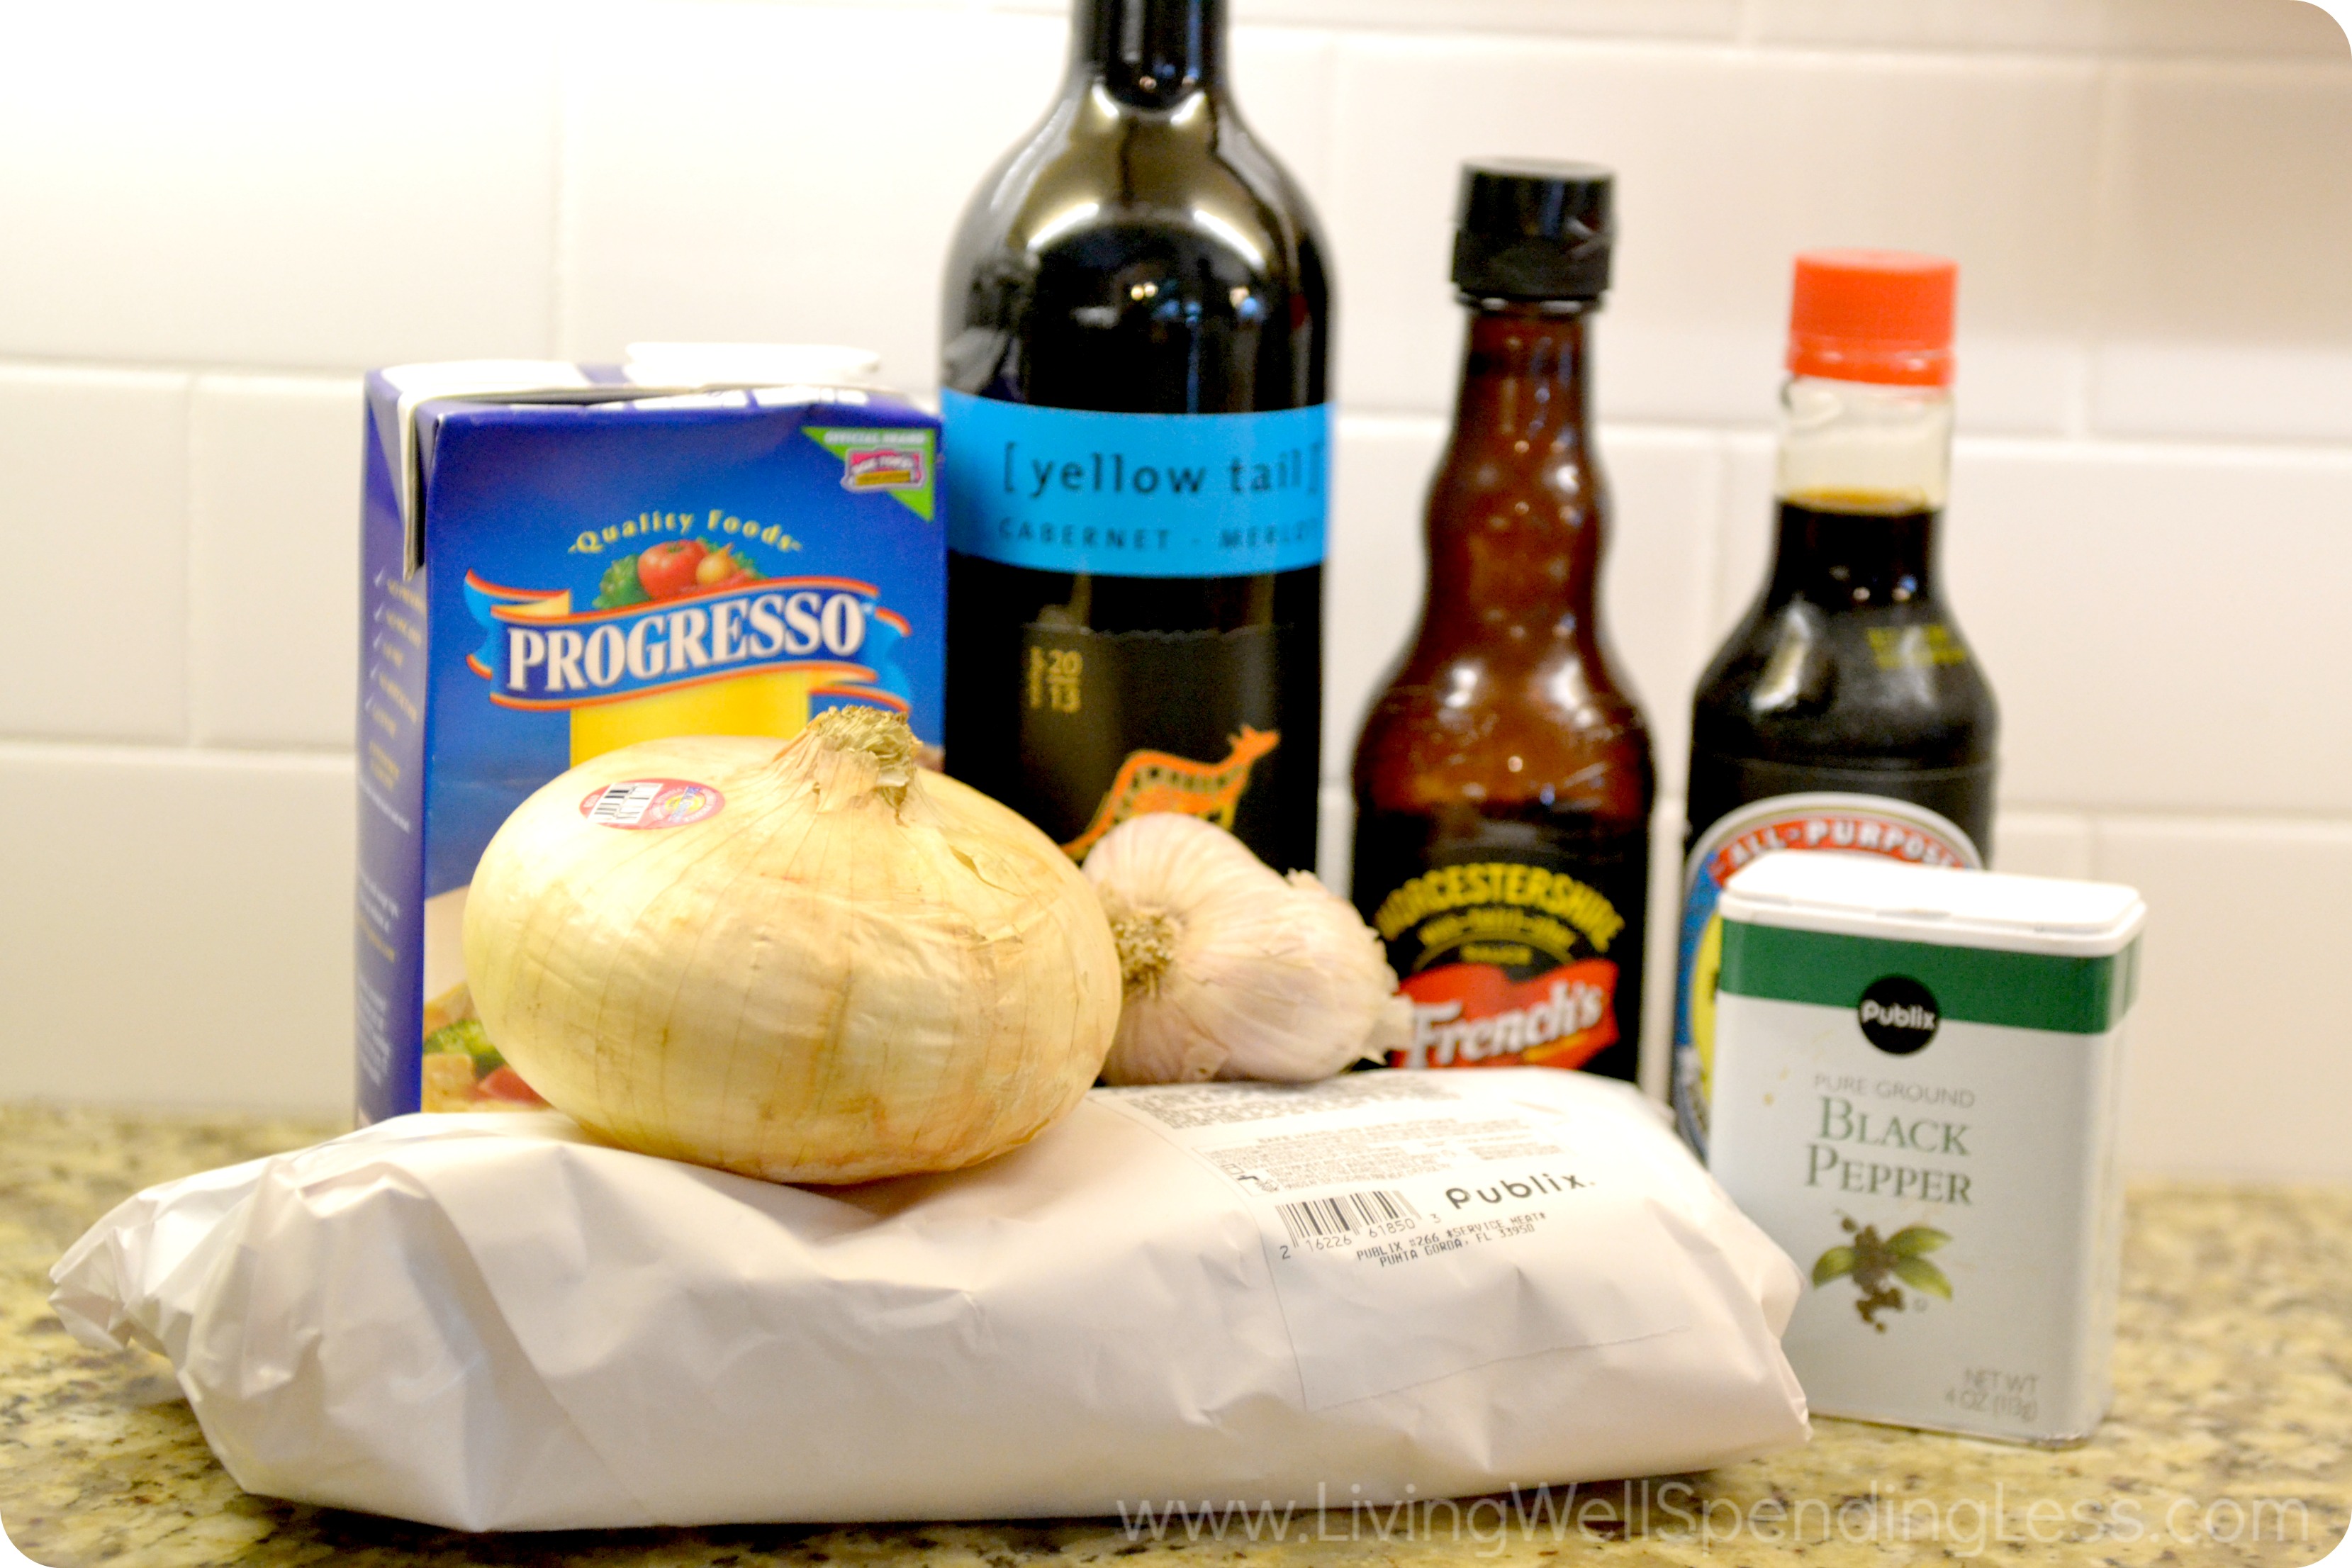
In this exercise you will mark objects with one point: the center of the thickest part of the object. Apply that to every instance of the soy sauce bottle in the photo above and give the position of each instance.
(1136, 455)
(1845, 712)
(1503, 779)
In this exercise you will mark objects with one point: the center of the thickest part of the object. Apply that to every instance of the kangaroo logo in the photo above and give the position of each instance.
(1161, 780)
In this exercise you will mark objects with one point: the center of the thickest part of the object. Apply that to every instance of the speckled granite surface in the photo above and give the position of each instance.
(2231, 1442)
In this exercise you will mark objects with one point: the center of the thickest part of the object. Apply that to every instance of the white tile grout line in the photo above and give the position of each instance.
(189, 563)
(1745, 35)
(68, 365)
(559, 202)
(1748, 30)
(2095, 443)
(1718, 510)
(340, 761)
(2106, 159)
(23, 749)
(2215, 443)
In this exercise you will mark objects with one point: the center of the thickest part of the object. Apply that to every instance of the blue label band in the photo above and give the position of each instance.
(1136, 495)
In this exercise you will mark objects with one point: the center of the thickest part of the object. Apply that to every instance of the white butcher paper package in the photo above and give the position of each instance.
(1387, 1286)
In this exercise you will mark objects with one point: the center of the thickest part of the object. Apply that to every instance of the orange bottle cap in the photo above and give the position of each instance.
(1882, 316)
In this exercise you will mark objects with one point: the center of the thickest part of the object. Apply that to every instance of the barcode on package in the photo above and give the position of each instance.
(1344, 1211)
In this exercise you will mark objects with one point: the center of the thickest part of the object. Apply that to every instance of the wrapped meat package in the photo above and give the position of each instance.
(1390, 1285)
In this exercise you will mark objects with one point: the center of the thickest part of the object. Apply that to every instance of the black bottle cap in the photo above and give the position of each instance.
(1534, 231)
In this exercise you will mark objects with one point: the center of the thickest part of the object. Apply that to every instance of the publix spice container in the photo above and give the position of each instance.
(1915, 1091)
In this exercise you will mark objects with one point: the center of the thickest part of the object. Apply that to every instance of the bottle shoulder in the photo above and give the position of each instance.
(1466, 730)
(1884, 685)
(1134, 261)
(1096, 169)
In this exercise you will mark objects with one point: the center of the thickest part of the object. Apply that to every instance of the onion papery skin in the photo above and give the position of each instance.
(853, 970)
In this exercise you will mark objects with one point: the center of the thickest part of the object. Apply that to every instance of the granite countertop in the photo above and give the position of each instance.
(2230, 1441)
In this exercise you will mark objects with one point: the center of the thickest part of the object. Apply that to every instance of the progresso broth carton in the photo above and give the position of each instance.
(1915, 1085)
(560, 559)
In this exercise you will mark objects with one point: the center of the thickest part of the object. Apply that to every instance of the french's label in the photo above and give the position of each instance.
(1849, 823)
(1136, 495)
(1470, 1014)
(1518, 943)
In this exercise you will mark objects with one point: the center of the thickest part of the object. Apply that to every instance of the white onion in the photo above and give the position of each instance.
(853, 969)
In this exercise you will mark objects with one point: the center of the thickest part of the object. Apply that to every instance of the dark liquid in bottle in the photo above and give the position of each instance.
(1847, 675)
(1189, 281)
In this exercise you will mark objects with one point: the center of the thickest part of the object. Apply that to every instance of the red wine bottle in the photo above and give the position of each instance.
(1138, 443)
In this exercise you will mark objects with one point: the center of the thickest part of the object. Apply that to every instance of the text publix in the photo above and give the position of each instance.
(1515, 1189)
(1908, 1016)
(1834, 1162)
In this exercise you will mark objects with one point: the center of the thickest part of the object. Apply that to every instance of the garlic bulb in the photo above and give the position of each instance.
(805, 960)
(1230, 970)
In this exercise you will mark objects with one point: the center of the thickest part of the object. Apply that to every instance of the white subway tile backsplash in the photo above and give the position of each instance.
(1335, 827)
(178, 930)
(1377, 570)
(1661, 948)
(93, 504)
(1747, 526)
(1638, 19)
(826, 216)
(1631, 19)
(2257, 27)
(2223, 29)
(2158, 622)
(1729, 162)
(2241, 1049)
(2223, 305)
(1655, 604)
(1284, 79)
(2215, 389)
(274, 561)
(282, 185)
(2041, 843)
(771, 173)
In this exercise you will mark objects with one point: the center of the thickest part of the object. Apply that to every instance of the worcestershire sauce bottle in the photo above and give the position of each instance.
(1503, 779)
(1136, 455)
(1845, 712)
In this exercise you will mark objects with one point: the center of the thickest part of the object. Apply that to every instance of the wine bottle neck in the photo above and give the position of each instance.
(1151, 53)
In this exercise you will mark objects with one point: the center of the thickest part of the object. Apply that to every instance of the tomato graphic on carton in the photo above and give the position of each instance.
(664, 570)
(673, 569)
